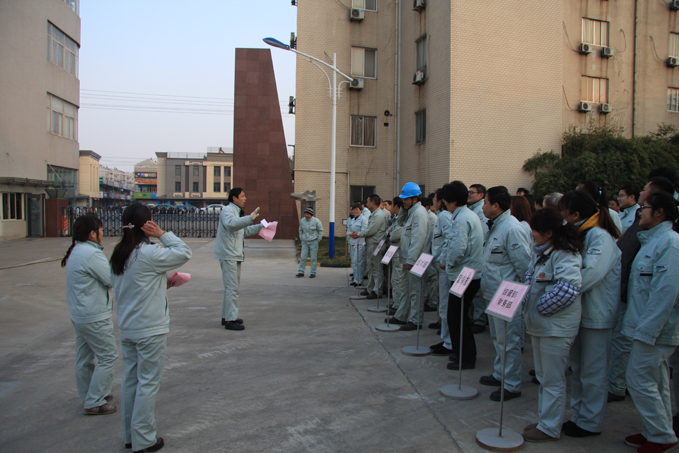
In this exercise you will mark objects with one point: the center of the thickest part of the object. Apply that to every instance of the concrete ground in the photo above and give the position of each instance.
(309, 373)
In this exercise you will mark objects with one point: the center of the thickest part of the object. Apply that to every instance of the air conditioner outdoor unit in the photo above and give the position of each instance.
(674, 5)
(607, 52)
(419, 77)
(585, 107)
(672, 62)
(418, 5)
(585, 49)
(605, 108)
(356, 14)
(356, 84)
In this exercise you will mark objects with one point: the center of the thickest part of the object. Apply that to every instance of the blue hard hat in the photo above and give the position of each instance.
(410, 190)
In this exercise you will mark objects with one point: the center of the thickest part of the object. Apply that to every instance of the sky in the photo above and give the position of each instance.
(158, 75)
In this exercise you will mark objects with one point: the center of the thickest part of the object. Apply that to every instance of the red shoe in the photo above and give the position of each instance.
(652, 447)
(635, 440)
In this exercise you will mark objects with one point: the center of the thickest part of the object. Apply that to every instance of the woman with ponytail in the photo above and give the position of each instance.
(652, 322)
(599, 195)
(88, 278)
(140, 284)
(552, 314)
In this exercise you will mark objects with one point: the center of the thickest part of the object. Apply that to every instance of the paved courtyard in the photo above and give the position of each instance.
(309, 373)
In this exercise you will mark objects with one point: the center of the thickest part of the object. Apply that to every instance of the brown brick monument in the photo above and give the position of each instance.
(260, 157)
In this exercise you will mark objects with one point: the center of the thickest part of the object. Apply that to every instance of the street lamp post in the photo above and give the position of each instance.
(334, 88)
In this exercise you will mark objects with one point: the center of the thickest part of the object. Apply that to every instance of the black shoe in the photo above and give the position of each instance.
(435, 325)
(408, 326)
(613, 398)
(312, 276)
(155, 447)
(239, 321)
(354, 284)
(574, 430)
(364, 293)
(430, 308)
(128, 445)
(495, 396)
(351, 275)
(391, 311)
(438, 332)
(440, 350)
(490, 381)
(478, 329)
(567, 425)
(436, 345)
(465, 366)
(372, 295)
(535, 381)
(675, 424)
(531, 373)
(396, 321)
(299, 275)
(234, 325)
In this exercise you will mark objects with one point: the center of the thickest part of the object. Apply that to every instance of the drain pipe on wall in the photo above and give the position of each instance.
(398, 107)
(634, 66)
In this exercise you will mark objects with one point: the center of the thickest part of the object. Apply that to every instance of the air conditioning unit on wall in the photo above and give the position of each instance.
(672, 62)
(605, 108)
(674, 5)
(607, 52)
(585, 107)
(419, 77)
(356, 14)
(418, 5)
(585, 49)
(356, 84)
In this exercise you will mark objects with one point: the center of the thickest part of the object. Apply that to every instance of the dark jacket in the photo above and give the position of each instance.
(629, 245)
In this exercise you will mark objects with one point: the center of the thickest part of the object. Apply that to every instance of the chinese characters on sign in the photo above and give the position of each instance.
(422, 264)
(462, 282)
(389, 255)
(378, 248)
(507, 300)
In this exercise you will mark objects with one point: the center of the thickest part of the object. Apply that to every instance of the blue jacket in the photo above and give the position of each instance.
(506, 254)
(88, 278)
(444, 221)
(141, 292)
(310, 230)
(600, 288)
(231, 233)
(652, 313)
(548, 269)
(463, 244)
(355, 225)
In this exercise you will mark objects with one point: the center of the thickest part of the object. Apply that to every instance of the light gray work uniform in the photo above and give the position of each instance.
(442, 227)
(432, 275)
(356, 247)
(652, 321)
(365, 213)
(398, 277)
(506, 256)
(552, 336)
(479, 303)
(231, 234)
(88, 278)
(591, 350)
(616, 219)
(627, 217)
(144, 322)
(413, 242)
(310, 233)
(373, 234)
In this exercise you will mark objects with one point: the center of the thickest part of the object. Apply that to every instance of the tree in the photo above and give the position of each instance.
(604, 155)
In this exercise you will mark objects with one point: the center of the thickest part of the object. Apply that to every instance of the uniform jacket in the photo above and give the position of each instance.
(506, 254)
(548, 269)
(415, 235)
(444, 221)
(478, 210)
(600, 288)
(627, 217)
(356, 224)
(88, 278)
(310, 230)
(231, 233)
(652, 311)
(374, 231)
(616, 219)
(463, 244)
(432, 223)
(141, 292)
(395, 231)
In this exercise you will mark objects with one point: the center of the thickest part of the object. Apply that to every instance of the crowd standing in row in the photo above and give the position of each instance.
(602, 298)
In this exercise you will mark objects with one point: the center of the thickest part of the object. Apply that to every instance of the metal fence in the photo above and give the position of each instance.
(191, 224)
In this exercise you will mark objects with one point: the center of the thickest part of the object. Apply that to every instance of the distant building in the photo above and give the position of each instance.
(88, 181)
(146, 180)
(115, 187)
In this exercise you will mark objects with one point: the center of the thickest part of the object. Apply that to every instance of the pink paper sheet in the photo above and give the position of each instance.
(179, 278)
(269, 232)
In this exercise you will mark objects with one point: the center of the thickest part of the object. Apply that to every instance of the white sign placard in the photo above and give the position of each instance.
(378, 248)
(462, 282)
(390, 254)
(507, 300)
(422, 264)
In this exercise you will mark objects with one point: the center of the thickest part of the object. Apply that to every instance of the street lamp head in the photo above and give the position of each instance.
(276, 43)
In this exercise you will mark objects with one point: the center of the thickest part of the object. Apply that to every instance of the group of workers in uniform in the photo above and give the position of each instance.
(601, 303)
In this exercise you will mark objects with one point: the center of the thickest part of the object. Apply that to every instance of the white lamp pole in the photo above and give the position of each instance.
(276, 43)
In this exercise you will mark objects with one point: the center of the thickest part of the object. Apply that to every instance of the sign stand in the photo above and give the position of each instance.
(418, 269)
(459, 391)
(386, 260)
(379, 309)
(504, 305)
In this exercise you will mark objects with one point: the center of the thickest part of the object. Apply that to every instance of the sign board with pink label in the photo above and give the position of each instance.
(390, 254)
(462, 282)
(422, 264)
(507, 300)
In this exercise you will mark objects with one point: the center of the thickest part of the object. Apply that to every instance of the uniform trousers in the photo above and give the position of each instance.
(94, 339)
(620, 348)
(453, 316)
(231, 279)
(356, 263)
(375, 272)
(309, 249)
(513, 358)
(431, 278)
(399, 284)
(143, 363)
(444, 287)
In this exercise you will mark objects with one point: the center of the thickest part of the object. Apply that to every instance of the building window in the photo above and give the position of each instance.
(420, 126)
(227, 172)
(62, 117)
(63, 175)
(12, 206)
(673, 99)
(62, 50)
(368, 5)
(177, 186)
(674, 45)
(217, 186)
(361, 193)
(73, 4)
(363, 130)
(595, 32)
(422, 53)
(227, 187)
(195, 186)
(218, 172)
(196, 170)
(363, 62)
(177, 170)
(594, 90)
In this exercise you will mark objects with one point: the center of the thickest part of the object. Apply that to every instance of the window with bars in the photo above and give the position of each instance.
(594, 89)
(62, 117)
(421, 53)
(177, 170)
(12, 206)
(420, 126)
(364, 62)
(674, 45)
(62, 50)
(595, 32)
(217, 186)
(368, 5)
(177, 186)
(363, 130)
(195, 186)
(227, 187)
(218, 171)
(673, 100)
(361, 193)
(227, 172)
